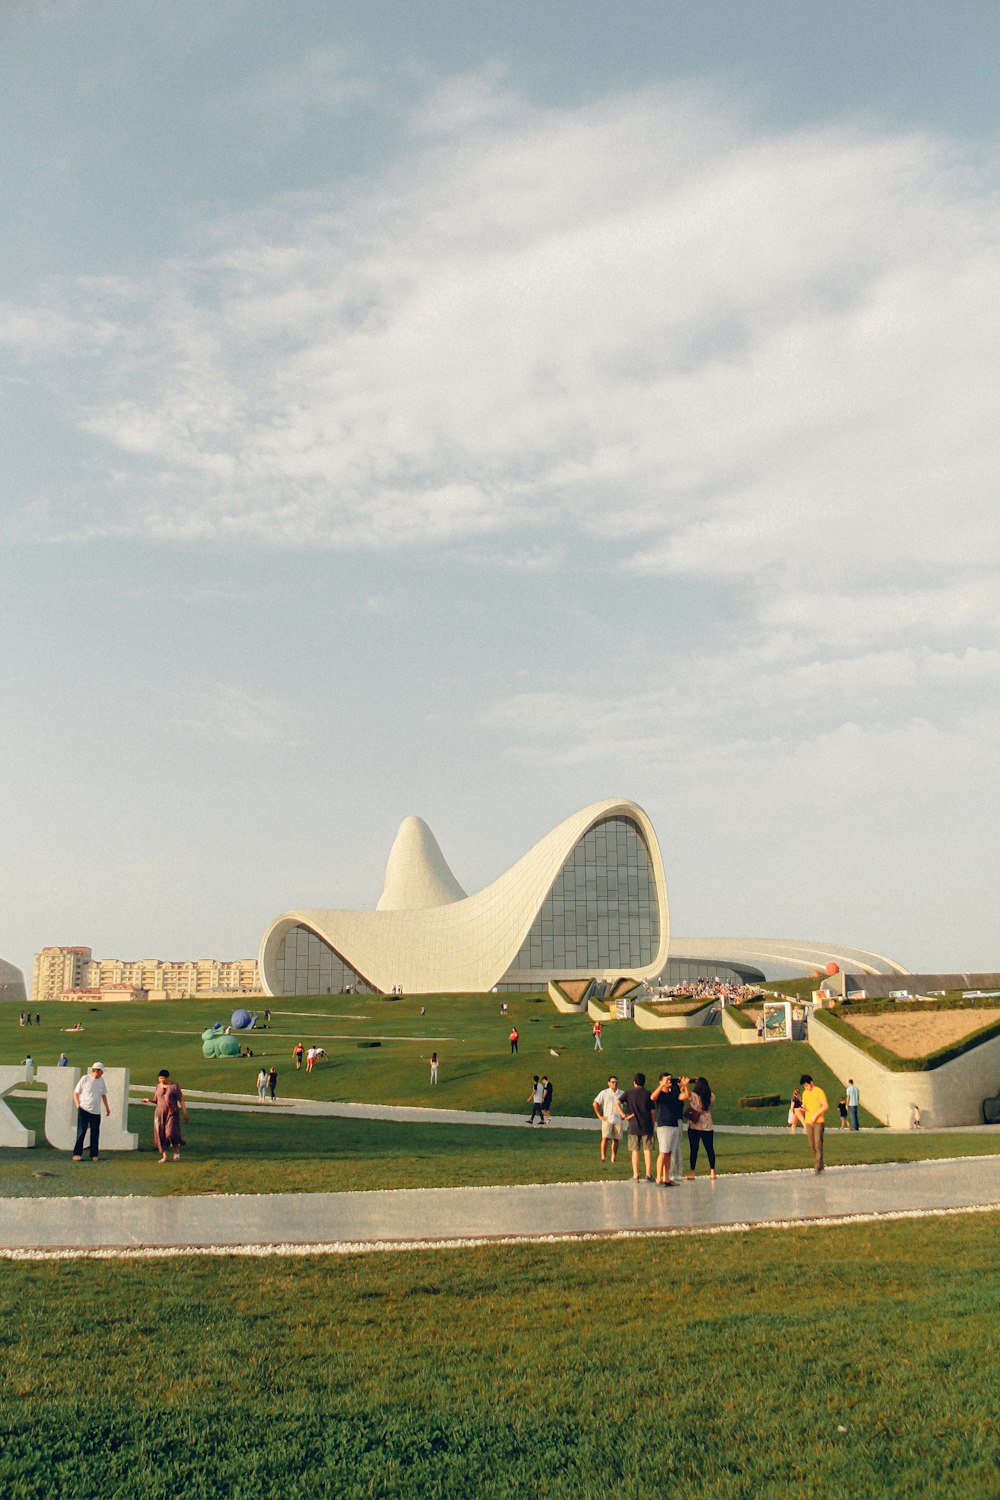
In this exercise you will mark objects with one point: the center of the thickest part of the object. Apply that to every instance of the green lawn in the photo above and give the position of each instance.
(468, 1032)
(856, 1361)
(262, 1153)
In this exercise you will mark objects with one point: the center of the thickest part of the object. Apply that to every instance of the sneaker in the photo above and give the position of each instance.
(666, 1184)
(636, 1179)
(649, 1179)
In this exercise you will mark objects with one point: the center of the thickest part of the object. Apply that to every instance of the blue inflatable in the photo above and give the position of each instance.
(241, 1020)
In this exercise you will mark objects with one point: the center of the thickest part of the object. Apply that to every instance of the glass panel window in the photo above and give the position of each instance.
(602, 910)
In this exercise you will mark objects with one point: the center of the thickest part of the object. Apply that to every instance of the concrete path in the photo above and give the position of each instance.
(412, 1218)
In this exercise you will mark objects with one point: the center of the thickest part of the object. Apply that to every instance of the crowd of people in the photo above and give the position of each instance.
(725, 990)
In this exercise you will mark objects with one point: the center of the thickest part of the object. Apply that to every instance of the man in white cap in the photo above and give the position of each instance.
(87, 1097)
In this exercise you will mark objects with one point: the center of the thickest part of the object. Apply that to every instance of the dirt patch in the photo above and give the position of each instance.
(675, 1008)
(918, 1035)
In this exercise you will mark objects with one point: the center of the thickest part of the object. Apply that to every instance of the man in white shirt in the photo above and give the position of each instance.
(606, 1109)
(87, 1097)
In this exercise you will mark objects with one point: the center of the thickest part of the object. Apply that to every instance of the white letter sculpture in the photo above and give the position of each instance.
(60, 1111)
(12, 1132)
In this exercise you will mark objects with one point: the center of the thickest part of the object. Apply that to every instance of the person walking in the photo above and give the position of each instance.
(513, 1039)
(546, 1100)
(598, 1044)
(636, 1108)
(262, 1082)
(434, 1068)
(169, 1106)
(88, 1096)
(842, 1111)
(297, 1052)
(701, 1126)
(535, 1100)
(669, 1113)
(272, 1082)
(814, 1108)
(605, 1107)
(853, 1103)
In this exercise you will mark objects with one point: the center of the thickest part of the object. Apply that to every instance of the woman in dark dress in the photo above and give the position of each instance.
(272, 1083)
(170, 1106)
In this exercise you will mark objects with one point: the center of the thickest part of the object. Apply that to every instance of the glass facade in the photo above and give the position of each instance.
(602, 911)
(305, 965)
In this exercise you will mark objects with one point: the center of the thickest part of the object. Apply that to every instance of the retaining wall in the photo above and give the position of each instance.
(648, 1020)
(740, 1036)
(563, 1003)
(949, 1095)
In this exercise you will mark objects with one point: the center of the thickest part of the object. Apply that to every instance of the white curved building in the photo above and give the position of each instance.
(589, 901)
(11, 982)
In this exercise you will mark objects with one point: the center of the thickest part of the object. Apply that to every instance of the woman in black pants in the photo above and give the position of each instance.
(701, 1127)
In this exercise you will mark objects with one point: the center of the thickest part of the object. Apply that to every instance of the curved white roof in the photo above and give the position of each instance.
(429, 937)
(417, 874)
(764, 952)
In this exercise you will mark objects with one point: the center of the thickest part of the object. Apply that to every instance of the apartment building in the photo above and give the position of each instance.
(58, 972)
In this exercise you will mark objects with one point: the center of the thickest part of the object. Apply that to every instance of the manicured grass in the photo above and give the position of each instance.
(468, 1032)
(823, 1362)
(264, 1153)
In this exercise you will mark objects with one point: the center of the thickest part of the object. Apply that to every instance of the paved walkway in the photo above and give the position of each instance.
(416, 1218)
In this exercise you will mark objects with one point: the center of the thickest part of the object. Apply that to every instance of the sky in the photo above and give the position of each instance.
(478, 412)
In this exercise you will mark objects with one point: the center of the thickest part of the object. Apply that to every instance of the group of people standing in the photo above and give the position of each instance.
(654, 1121)
(91, 1096)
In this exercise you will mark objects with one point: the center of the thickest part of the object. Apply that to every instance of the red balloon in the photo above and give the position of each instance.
(833, 968)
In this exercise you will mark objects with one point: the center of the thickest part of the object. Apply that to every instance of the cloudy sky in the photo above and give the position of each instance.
(479, 411)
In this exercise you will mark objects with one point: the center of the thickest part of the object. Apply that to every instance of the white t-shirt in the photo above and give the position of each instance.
(606, 1103)
(90, 1091)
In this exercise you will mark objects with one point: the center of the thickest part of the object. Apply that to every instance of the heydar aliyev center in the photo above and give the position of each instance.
(589, 901)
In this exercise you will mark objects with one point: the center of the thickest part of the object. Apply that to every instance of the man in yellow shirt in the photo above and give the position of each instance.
(814, 1107)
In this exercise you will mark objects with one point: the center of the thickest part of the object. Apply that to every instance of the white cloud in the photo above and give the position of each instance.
(639, 320)
(641, 327)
